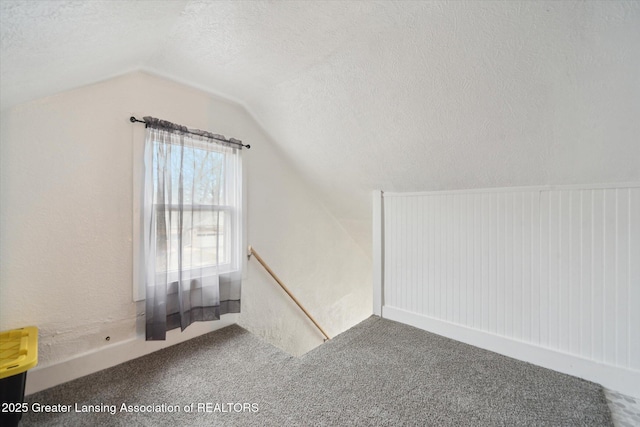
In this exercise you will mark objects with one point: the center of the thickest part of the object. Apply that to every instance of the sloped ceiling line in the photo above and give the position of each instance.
(364, 95)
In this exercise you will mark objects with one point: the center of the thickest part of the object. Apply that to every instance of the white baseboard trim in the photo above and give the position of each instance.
(619, 379)
(43, 377)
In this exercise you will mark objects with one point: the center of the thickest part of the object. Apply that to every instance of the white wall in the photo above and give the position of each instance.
(308, 249)
(66, 228)
(547, 275)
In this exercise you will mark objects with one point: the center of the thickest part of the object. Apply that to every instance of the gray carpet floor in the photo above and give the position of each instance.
(378, 373)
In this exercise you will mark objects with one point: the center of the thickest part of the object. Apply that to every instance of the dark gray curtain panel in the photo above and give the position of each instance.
(192, 228)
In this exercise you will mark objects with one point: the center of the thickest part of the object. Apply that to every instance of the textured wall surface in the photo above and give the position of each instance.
(391, 95)
(66, 225)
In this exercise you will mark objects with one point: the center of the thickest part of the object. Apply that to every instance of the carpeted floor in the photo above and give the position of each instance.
(378, 373)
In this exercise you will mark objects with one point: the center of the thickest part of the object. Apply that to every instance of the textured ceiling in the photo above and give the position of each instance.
(370, 95)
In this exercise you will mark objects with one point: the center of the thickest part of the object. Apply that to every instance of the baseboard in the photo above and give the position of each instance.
(619, 379)
(43, 377)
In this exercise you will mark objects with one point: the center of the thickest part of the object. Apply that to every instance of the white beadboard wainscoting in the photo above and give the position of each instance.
(550, 275)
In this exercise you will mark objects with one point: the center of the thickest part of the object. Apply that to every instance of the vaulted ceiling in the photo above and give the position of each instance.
(365, 95)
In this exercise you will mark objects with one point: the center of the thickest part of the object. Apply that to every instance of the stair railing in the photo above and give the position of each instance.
(282, 285)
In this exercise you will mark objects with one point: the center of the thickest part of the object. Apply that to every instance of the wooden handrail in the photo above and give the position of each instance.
(270, 271)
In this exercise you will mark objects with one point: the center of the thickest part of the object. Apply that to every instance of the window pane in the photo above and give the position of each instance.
(200, 239)
(195, 174)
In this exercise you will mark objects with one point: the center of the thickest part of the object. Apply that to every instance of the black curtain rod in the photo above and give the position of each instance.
(236, 142)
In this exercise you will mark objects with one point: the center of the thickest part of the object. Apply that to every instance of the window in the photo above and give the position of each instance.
(187, 224)
(200, 218)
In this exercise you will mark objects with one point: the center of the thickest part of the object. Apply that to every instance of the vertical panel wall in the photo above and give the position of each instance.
(553, 268)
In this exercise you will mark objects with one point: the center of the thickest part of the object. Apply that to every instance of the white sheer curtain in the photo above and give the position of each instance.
(192, 227)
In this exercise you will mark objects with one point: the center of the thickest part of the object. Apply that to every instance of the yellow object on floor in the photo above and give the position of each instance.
(18, 351)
